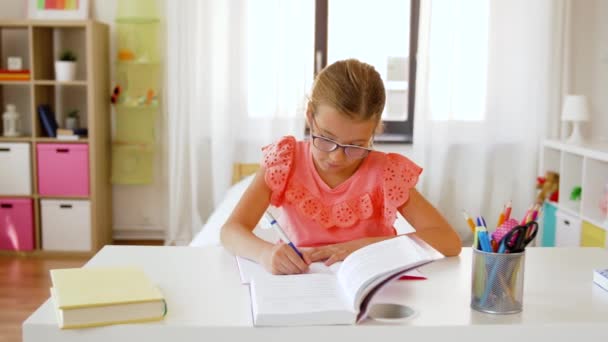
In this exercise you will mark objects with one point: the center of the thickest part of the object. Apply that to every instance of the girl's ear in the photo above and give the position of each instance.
(309, 118)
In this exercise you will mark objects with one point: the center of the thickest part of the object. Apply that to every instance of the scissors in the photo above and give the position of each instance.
(516, 240)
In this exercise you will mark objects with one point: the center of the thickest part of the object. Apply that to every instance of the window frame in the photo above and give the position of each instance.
(397, 132)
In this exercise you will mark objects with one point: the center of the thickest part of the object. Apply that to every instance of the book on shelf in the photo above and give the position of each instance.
(339, 296)
(47, 120)
(14, 75)
(71, 134)
(95, 296)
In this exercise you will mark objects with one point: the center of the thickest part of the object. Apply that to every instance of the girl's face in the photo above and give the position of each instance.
(330, 124)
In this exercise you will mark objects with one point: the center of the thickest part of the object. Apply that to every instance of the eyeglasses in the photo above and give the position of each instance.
(328, 145)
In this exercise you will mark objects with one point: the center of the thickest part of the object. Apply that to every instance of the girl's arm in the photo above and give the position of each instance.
(430, 225)
(237, 233)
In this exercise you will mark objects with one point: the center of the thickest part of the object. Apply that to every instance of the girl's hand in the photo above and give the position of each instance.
(282, 259)
(339, 251)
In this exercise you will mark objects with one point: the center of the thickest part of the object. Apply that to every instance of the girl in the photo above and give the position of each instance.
(337, 194)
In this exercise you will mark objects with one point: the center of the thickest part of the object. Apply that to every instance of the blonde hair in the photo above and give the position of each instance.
(351, 87)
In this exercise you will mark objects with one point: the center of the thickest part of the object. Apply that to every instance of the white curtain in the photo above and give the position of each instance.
(213, 121)
(489, 79)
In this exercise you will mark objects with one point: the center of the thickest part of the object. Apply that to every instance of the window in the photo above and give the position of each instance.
(383, 33)
(458, 59)
(280, 37)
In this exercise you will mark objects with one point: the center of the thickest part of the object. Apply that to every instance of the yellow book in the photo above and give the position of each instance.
(95, 296)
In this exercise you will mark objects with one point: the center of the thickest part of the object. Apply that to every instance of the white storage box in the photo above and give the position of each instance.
(16, 170)
(66, 225)
(567, 229)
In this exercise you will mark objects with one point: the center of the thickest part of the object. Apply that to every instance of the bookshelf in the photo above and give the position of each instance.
(39, 42)
(578, 222)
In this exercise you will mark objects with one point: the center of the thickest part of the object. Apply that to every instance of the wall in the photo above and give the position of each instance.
(139, 211)
(589, 62)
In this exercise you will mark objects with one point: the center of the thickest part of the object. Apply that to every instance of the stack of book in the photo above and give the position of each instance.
(14, 75)
(94, 296)
(71, 134)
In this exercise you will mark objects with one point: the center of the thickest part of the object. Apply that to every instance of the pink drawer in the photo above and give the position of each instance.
(63, 169)
(16, 224)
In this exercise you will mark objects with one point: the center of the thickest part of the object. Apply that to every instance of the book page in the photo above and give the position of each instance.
(249, 269)
(368, 266)
(297, 295)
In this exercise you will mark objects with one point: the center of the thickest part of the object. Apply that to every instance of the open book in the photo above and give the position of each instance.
(327, 298)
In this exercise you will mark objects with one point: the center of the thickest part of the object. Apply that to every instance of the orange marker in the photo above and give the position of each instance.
(494, 245)
(501, 218)
(469, 221)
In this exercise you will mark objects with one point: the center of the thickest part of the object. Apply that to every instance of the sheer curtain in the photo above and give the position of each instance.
(228, 95)
(489, 82)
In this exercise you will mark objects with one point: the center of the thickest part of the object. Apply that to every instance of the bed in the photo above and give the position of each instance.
(242, 175)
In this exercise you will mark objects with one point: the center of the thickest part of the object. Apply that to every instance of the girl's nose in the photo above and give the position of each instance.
(337, 156)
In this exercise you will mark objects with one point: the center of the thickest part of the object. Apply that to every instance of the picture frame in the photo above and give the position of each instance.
(58, 9)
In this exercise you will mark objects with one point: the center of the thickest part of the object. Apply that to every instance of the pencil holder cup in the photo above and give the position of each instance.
(497, 282)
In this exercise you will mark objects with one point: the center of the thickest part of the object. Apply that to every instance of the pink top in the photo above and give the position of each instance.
(313, 214)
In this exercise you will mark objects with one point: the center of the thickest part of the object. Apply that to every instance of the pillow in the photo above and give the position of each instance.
(210, 232)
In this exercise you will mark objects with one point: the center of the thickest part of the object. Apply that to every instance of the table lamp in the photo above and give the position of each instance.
(575, 110)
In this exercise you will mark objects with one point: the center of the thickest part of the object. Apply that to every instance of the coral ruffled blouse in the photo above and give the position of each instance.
(313, 214)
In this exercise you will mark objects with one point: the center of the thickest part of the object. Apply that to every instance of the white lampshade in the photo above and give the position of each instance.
(575, 108)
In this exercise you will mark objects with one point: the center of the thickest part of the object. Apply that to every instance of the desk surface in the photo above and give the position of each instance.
(206, 299)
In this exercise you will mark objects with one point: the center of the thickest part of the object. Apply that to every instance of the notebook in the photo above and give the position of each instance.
(86, 297)
(327, 298)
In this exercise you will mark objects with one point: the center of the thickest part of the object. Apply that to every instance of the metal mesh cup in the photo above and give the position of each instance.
(497, 282)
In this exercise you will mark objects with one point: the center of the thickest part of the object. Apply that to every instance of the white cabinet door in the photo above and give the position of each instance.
(567, 229)
(66, 225)
(15, 173)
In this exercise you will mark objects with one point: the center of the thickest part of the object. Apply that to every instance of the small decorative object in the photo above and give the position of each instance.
(548, 186)
(125, 54)
(10, 120)
(576, 111)
(149, 96)
(116, 94)
(15, 63)
(575, 194)
(59, 10)
(65, 67)
(604, 204)
(71, 121)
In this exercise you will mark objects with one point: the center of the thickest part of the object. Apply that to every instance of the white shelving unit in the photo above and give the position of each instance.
(584, 165)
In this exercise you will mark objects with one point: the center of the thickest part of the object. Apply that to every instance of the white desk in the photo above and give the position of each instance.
(206, 302)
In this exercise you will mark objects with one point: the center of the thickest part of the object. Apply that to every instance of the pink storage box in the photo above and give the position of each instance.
(63, 169)
(16, 224)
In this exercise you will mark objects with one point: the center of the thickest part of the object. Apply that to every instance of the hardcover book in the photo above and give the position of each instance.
(47, 120)
(86, 297)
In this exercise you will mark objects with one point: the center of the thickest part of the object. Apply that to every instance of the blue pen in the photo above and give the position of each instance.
(277, 227)
(484, 241)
